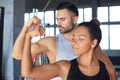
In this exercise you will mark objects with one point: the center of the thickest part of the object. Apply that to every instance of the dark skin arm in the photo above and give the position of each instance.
(42, 72)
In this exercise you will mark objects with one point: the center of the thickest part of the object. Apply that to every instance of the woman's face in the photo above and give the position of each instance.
(81, 42)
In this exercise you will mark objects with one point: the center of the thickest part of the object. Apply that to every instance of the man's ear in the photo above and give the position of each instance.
(75, 19)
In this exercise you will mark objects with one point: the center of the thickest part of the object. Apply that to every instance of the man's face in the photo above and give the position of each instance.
(65, 21)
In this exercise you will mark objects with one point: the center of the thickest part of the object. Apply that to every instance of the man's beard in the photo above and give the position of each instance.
(67, 31)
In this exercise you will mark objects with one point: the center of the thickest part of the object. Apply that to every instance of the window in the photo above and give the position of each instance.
(49, 31)
(111, 27)
(49, 17)
(80, 17)
(87, 14)
(115, 13)
(104, 40)
(26, 17)
(102, 14)
(114, 37)
(40, 15)
(57, 31)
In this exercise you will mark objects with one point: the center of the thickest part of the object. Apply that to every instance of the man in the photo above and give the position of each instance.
(57, 47)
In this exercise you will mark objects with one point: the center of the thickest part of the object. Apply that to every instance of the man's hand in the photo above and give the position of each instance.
(33, 21)
(36, 30)
(34, 27)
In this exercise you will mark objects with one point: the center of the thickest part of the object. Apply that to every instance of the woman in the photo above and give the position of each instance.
(86, 37)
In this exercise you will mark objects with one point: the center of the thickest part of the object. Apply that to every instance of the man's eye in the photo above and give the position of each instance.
(62, 19)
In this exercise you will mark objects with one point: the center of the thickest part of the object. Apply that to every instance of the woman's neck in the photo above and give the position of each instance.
(87, 60)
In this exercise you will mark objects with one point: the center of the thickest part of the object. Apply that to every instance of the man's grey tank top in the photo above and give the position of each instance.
(64, 50)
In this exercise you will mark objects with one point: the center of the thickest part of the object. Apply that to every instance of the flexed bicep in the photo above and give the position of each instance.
(37, 49)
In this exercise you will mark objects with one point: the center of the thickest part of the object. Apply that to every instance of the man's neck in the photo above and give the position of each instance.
(69, 34)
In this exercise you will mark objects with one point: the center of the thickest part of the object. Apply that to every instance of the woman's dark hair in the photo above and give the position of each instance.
(94, 29)
(69, 6)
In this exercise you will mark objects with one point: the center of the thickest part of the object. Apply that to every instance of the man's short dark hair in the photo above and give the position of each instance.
(69, 6)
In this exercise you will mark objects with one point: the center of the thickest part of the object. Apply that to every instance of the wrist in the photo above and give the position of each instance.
(24, 30)
(28, 36)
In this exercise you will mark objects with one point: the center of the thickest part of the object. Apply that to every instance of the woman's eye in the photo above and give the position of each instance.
(81, 38)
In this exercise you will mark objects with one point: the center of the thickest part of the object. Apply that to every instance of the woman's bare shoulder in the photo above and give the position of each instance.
(64, 64)
(111, 71)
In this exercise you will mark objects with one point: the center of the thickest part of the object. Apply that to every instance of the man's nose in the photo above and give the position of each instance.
(58, 22)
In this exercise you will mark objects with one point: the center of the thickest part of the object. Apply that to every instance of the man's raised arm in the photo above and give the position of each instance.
(19, 43)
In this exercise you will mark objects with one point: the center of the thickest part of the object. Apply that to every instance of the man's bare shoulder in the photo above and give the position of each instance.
(46, 40)
(45, 45)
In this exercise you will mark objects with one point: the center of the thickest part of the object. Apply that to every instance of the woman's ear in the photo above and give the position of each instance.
(94, 43)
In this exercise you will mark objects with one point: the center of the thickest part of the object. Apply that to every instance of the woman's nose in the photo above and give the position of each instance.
(73, 42)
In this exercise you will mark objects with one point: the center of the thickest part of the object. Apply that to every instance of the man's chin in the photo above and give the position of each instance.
(61, 32)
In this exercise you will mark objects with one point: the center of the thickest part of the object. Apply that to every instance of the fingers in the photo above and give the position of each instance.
(33, 21)
(34, 28)
(37, 30)
(40, 29)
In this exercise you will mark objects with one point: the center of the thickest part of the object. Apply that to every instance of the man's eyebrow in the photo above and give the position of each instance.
(60, 18)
